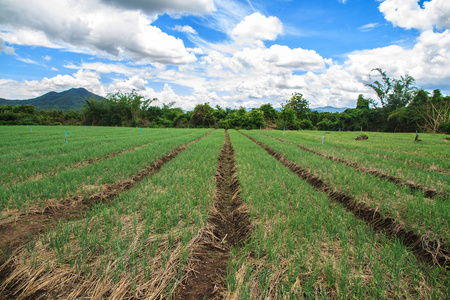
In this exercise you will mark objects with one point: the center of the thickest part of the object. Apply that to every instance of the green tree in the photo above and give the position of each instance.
(203, 115)
(393, 93)
(288, 118)
(299, 105)
(270, 113)
(255, 119)
(362, 103)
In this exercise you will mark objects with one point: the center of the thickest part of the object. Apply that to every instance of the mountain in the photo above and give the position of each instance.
(329, 109)
(65, 101)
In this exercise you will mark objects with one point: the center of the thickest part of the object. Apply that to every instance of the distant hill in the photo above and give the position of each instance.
(65, 101)
(329, 109)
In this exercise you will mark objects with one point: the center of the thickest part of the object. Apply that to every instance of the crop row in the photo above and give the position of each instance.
(395, 146)
(430, 218)
(89, 179)
(149, 241)
(135, 246)
(425, 163)
(34, 160)
(374, 172)
(306, 246)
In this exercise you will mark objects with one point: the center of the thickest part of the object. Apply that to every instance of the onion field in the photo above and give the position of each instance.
(130, 213)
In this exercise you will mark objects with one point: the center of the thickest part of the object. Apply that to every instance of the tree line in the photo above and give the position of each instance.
(404, 108)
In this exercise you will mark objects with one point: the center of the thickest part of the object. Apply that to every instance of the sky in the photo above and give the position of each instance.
(229, 53)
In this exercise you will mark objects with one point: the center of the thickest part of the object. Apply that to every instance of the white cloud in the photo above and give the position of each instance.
(167, 6)
(257, 27)
(47, 58)
(6, 49)
(368, 27)
(28, 37)
(90, 25)
(133, 83)
(185, 29)
(28, 61)
(28, 89)
(408, 14)
(238, 71)
(428, 61)
(106, 68)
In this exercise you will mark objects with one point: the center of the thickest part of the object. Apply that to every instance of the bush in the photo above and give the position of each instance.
(444, 127)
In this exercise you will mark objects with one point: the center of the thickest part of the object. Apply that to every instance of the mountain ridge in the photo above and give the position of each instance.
(330, 109)
(65, 100)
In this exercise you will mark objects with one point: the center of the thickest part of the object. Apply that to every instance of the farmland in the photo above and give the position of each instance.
(201, 213)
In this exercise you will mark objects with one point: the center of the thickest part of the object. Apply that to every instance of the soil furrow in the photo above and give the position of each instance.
(427, 192)
(432, 251)
(20, 228)
(228, 225)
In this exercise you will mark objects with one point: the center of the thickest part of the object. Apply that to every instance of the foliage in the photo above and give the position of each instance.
(393, 93)
(362, 103)
(203, 116)
(435, 111)
(299, 104)
(270, 113)
(288, 118)
(405, 109)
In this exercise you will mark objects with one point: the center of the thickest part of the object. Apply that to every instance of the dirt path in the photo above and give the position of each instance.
(19, 228)
(427, 192)
(431, 251)
(228, 225)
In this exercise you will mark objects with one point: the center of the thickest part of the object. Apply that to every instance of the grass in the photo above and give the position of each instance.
(424, 216)
(396, 154)
(139, 244)
(91, 177)
(304, 246)
(136, 245)
(30, 157)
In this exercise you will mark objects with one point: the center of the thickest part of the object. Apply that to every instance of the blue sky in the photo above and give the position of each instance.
(228, 53)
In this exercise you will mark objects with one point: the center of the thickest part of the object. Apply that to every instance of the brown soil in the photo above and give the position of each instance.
(427, 192)
(447, 139)
(228, 225)
(432, 251)
(19, 228)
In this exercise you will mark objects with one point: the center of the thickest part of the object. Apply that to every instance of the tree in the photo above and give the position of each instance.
(299, 105)
(203, 115)
(269, 112)
(362, 103)
(435, 112)
(289, 118)
(255, 119)
(393, 93)
(128, 107)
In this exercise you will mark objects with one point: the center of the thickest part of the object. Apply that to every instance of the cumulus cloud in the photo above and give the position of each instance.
(167, 6)
(185, 29)
(257, 27)
(106, 68)
(428, 61)
(408, 14)
(6, 49)
(91, 25)
(12, 89)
